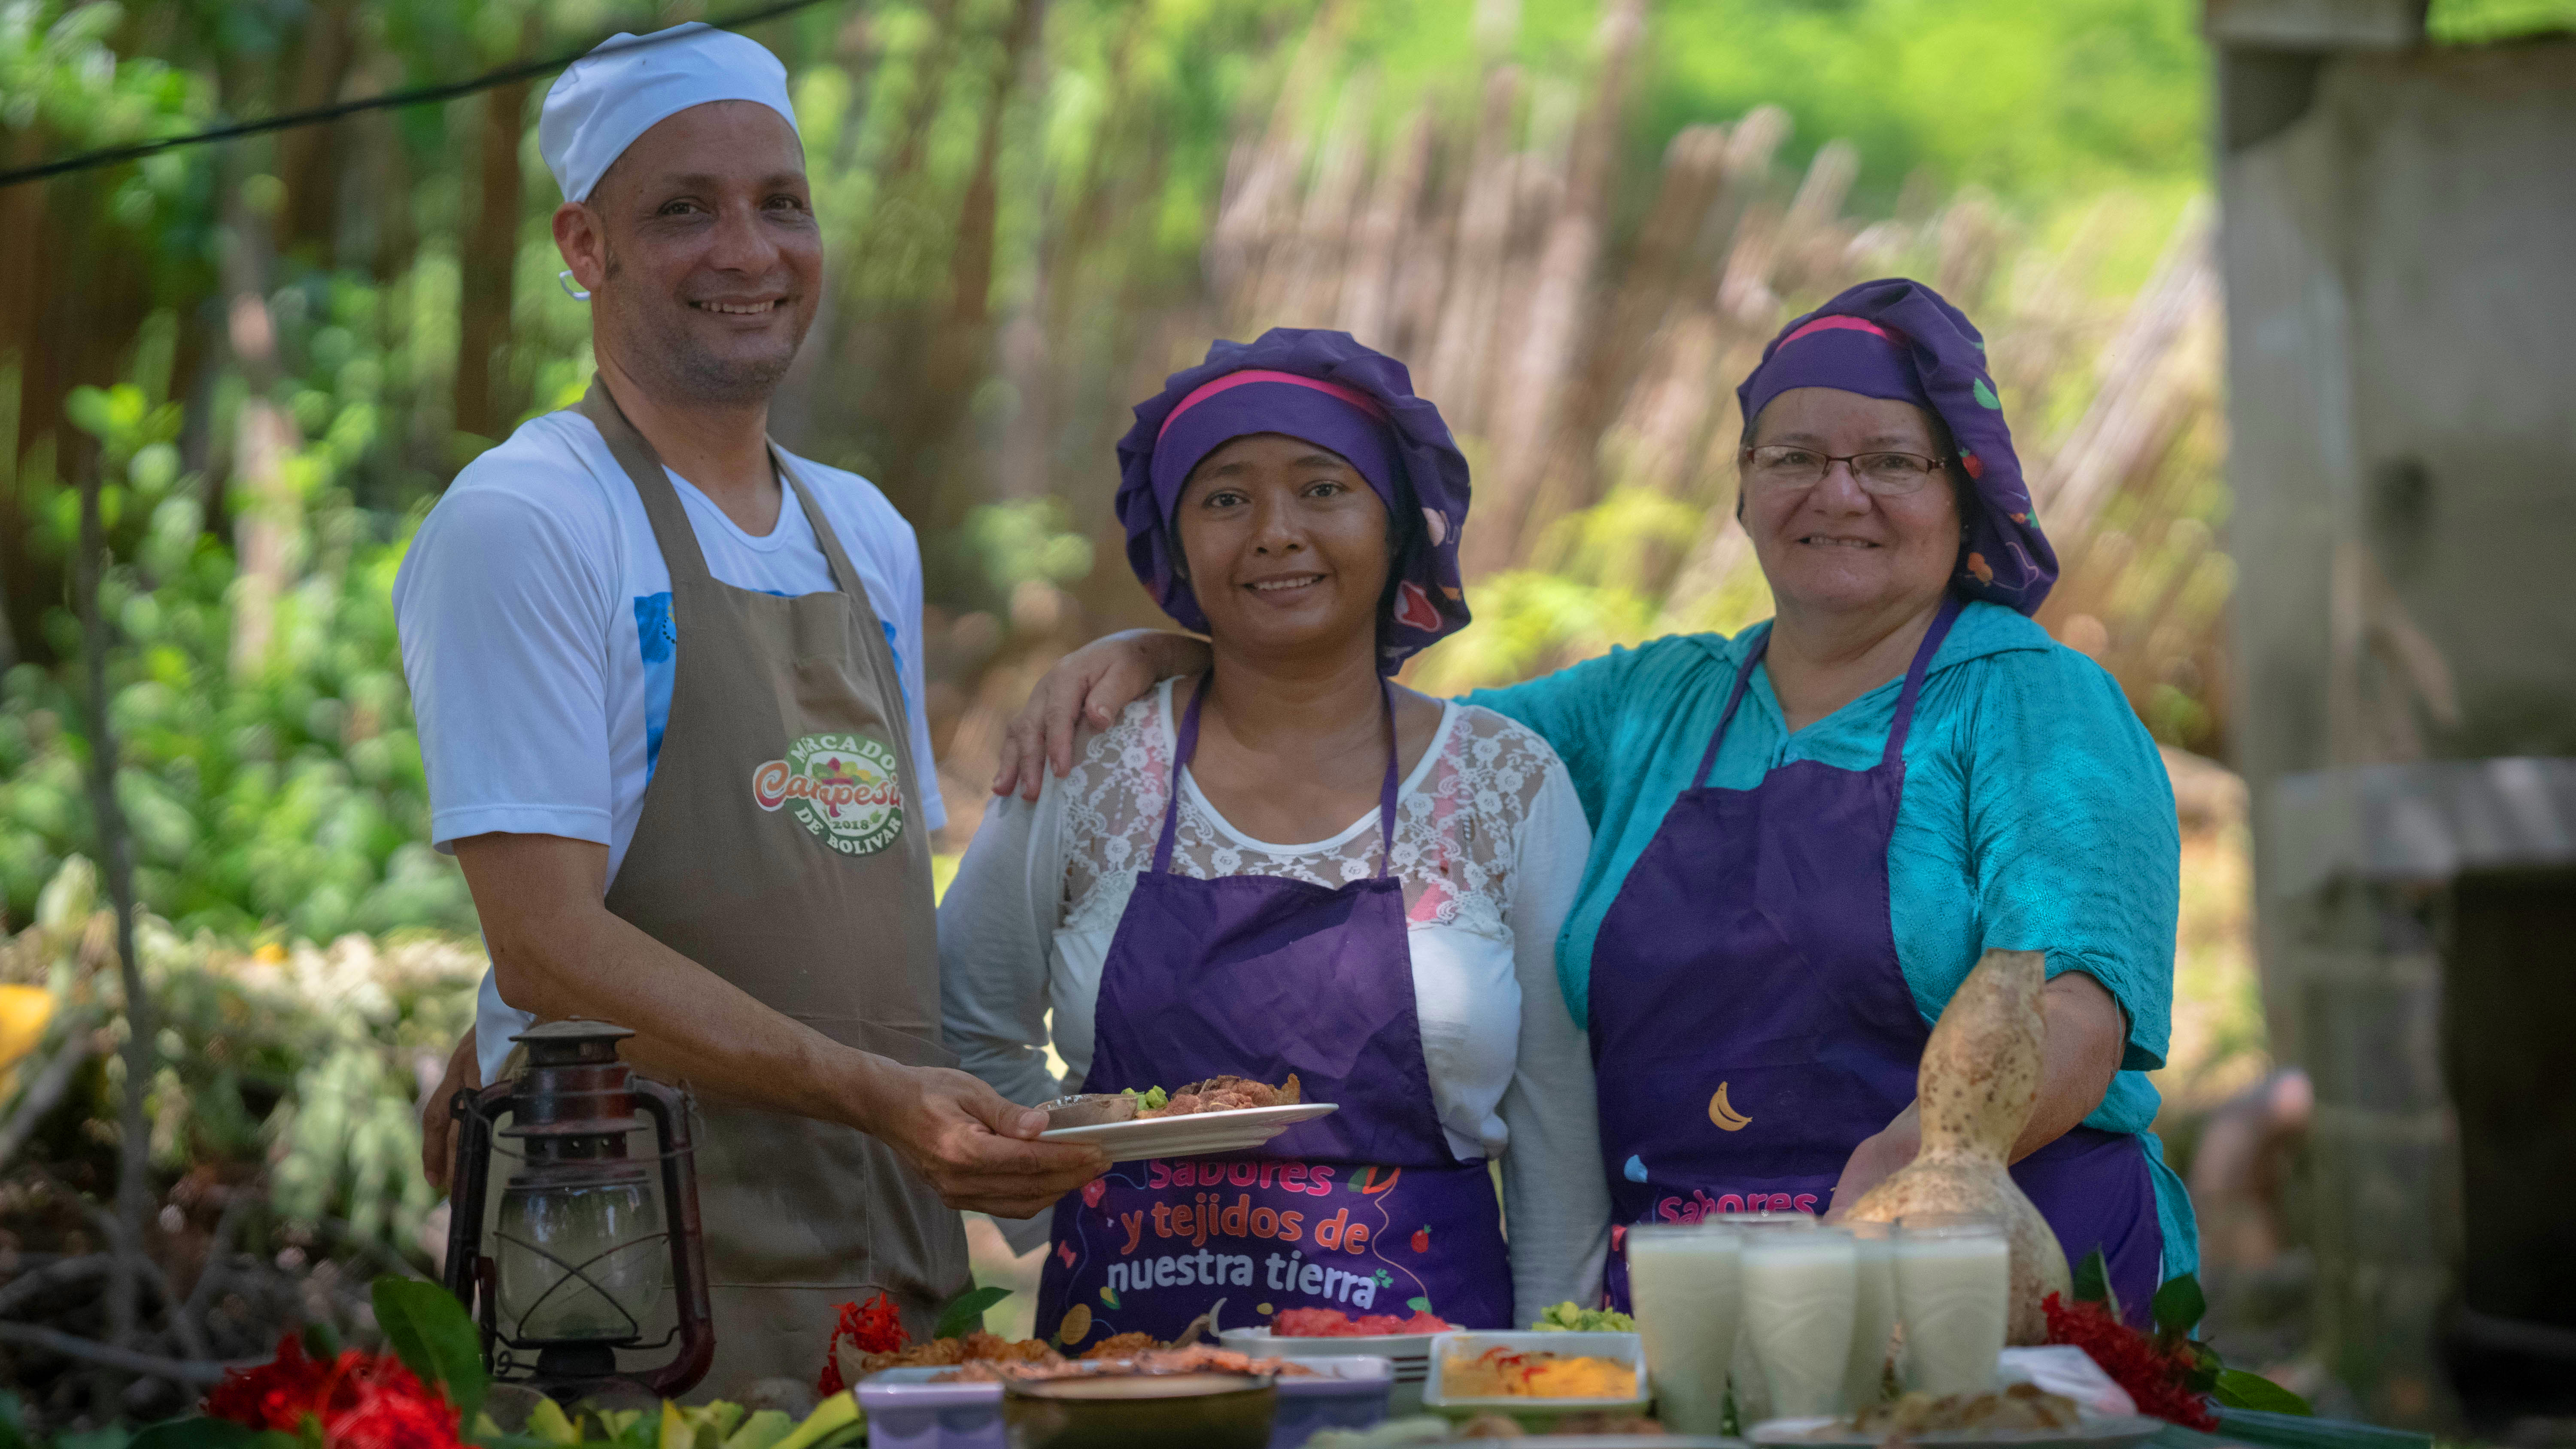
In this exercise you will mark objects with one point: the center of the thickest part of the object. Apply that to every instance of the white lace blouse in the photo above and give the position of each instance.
(1489, 844)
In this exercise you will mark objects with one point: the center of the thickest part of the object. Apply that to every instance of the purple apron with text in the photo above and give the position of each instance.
(1363, 1211)
(1751, 1023)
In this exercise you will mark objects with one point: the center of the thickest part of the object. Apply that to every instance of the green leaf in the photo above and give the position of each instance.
(829, 1418)
(547, 1421)
(2202, 1377)
(761, 1430)
(714, 1421)
(321, 1342)
(428, 1330)
(2237, 1389)
(195, 1432)
(965, 1312)
(2093, 1282)
(2178, 1305)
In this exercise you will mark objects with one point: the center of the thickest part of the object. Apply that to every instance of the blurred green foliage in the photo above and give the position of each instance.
(284, 791)
(2479, 22)
(298, 1063)
(2039, 100)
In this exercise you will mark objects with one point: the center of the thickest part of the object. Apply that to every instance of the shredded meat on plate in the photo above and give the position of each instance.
(1227, 1094)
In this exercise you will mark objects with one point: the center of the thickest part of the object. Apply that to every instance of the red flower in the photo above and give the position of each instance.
(392, 1415)
(2155, 1376)
(871, 1327)
(364, 1401)
(275, 1395)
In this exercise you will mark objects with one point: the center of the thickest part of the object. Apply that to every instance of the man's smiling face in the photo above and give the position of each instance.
(709, 259)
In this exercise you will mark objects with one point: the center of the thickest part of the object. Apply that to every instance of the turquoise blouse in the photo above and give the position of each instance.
(2036, 816)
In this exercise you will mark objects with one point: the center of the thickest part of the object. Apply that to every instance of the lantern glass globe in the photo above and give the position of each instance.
(582, 1262)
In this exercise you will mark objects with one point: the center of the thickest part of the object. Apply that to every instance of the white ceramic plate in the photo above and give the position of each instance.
(2092, 1433)
(1189, 1136)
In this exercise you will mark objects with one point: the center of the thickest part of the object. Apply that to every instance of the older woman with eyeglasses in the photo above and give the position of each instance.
(1805, 835)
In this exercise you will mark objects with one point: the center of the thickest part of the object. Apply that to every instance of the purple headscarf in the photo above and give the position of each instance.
(1899, 339)
(1326, 388)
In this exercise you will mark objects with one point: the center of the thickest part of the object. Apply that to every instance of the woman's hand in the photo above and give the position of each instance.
(1877, 1158)
(437, 1128)
(1088, 686)
(977, 1150)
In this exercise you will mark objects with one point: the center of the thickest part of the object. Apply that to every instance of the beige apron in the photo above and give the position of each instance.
(781, 847)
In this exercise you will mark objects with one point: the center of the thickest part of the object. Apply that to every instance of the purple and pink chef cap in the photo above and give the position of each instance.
(1326, 388)
(1899, 339)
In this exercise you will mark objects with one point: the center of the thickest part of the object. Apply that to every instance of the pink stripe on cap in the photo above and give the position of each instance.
(1842, 324)
(1231, 380)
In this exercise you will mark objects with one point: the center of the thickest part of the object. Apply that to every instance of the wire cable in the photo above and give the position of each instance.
(421, 96)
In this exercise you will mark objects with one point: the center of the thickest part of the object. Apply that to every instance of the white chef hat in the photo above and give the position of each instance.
(606, 99)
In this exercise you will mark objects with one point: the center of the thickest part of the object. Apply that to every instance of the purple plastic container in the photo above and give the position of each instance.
(1346, 1391)
(907, 1411)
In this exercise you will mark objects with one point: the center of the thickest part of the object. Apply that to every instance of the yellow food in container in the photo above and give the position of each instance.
(1499, 1373)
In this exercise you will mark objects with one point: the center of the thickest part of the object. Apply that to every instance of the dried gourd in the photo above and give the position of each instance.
(1977, 1086)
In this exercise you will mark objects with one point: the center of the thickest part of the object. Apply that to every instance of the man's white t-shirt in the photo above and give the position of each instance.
(535, 615)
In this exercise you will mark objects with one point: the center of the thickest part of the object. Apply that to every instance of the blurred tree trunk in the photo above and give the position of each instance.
(73, 293)
(134, 1194)
(22, 216)
(879, 335)
(308, 157)
(959, 346)
(487, 399)
(265, 508)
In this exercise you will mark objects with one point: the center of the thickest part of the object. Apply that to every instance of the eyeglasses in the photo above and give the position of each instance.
(1784, 468)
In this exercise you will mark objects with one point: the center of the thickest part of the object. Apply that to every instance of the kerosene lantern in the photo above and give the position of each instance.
(589, 1241)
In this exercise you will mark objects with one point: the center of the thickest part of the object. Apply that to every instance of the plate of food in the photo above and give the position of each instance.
(1537, 1378)
(1220, 1114)
(1324, 1333)
(2019, 1416)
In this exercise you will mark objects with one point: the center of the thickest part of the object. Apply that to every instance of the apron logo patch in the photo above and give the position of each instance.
(842, 787)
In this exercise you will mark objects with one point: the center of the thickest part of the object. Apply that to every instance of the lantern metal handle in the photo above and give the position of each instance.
(474, 1110)
(669, 1109)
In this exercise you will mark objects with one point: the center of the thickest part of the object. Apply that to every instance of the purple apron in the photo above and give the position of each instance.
(1751, 1023)
(1362, 1211)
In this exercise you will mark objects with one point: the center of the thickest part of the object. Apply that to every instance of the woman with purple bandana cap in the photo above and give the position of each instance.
(1805, 835)
(1295, 501)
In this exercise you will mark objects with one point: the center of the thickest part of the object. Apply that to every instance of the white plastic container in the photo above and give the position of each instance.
(1626, 1348)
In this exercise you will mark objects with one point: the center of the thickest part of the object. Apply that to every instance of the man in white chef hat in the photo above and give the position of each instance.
(668, 684)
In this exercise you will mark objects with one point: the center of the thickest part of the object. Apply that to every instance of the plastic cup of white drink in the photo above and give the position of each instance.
(1684, 1280)
(1873, 1314)
(1800, 1295)
(1953, 1294)
(1752, 1396)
